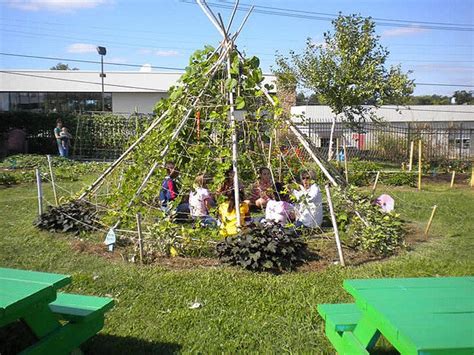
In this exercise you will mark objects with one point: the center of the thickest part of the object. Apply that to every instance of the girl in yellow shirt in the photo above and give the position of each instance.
(227, 213)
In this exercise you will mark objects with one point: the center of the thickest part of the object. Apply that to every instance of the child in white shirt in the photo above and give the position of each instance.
(200, 201)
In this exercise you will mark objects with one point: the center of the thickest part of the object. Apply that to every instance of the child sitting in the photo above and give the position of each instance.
(228, 213)
(200, 201)
(279, 210)
(169, 189)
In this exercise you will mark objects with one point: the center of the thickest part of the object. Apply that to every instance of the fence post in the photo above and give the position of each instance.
(40, 192)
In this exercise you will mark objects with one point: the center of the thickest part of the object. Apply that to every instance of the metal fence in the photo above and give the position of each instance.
(391, 142)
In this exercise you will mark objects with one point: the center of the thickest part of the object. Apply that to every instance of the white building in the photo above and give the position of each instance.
(77, 90)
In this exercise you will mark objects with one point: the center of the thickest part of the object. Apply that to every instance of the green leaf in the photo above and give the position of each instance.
(239, 103)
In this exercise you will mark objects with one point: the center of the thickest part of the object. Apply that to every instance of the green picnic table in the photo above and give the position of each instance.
(416, 315)
(60, 321)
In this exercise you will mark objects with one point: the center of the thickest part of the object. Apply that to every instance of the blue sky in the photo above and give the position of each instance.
(166, 32)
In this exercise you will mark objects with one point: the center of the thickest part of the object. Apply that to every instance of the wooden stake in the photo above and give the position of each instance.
(52, 180)
(40, 192)
(334, 225)
(140, 236)
(375, 183)
(430, 220)
(346, 169)
(410, 162)
(472, 176)
(452, 178)
(419, 163)
(338, 162)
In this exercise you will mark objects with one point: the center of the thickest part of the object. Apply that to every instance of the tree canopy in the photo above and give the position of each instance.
(62, 66)
(347, 72)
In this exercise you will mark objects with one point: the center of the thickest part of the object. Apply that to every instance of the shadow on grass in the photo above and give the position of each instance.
(16, 337)
(112, 344)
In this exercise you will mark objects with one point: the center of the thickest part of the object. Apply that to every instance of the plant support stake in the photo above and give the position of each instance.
(430, 220)
(346, 172)
(334, 225)
(52, 179)
(452, 178)
(140, 236)
(410, 162)
(419, 164)
(375, 183)
(40, 192)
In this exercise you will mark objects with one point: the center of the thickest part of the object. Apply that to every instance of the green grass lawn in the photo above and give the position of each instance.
(242, 311)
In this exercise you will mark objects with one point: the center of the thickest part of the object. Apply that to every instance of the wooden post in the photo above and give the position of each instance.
(140, 236)
(52, 179)
(40, 192)
(472, 176)
(334, 225)
(430, 220)
(419, 163)
(410, 162)
(346, 169)
(375, 183)
(452, 178)
(338, 162)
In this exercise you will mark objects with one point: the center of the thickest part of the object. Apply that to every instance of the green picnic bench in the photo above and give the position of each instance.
(416, 315)
(61, 322)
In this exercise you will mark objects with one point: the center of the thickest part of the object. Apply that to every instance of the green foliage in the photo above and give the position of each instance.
(348, 71)
(266, 248)
(401, 178)
(210, 152)
(447, 166)
(362, 172)
(392, 147)
(372, 230)
(74, 217)
(7, 179)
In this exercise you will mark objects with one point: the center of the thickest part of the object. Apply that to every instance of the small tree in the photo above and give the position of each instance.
(62, 66)
(348, 71)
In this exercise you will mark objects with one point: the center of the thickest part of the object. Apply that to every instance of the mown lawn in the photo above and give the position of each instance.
(242, 311)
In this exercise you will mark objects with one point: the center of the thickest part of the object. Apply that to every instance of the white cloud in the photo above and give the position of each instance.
(403, 31)
(55, 5)
(145, 68)
(81, 48)
(170, 53)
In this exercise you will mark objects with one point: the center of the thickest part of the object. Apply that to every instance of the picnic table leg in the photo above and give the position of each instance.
(41, 320)
(366, 333)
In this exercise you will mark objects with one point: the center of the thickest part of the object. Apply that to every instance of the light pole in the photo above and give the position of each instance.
(102, 51)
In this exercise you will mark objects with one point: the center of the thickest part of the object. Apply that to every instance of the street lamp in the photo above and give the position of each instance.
(102, 51)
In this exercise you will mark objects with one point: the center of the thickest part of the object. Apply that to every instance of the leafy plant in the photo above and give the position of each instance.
(75, 217)
(365, 226)
(7, 179)
(361, 173)
(398, 179)
(266, 248)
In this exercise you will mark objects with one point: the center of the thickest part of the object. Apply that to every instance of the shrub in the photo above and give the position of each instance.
(75, 217)
(267, 248)
(398, 179)
(7, 179)
(361, 173)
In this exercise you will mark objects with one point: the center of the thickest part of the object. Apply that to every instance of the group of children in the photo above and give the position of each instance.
(268, 201)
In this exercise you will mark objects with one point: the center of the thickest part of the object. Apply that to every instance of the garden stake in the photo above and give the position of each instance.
(346, 172)
(375, 183)
(334, 225)
(472, 176)
(338, 161)
(419, 164)
(140, 237)
(52, 179)
(410, 162)
(40, 192)
(430, 220)
(452, 178)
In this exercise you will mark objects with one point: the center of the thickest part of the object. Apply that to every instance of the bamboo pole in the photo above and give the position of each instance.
(331, 138)
(53, 184)
(419, 163)
(40, 191)
(452, 178)
(410, 162)
(375, 183)
(140, 236)
(472, 176)
(430, 220)
(346, 168)
(334, 225)
(338, 162)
